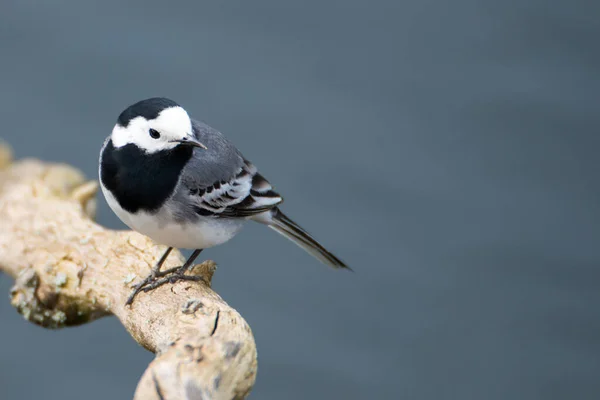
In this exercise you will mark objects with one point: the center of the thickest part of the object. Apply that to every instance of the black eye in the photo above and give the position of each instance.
(154, 134)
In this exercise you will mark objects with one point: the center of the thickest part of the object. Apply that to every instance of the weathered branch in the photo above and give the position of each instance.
(69, 271)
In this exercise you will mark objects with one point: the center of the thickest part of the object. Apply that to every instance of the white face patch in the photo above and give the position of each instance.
(172, 124)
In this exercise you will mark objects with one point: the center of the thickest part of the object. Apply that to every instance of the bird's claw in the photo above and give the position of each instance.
(176, 277)
(159, 278)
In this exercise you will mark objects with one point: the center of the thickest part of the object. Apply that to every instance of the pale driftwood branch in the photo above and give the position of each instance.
(69, 271)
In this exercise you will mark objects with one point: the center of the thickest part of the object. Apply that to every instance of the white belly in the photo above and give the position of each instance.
(162, 228)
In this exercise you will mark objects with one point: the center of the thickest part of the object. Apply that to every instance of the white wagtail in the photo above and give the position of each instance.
(184, 185)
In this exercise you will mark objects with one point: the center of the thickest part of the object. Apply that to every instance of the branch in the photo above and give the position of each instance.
(70, 271)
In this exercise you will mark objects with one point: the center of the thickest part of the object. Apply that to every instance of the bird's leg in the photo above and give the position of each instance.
(163, 258)
(176, 274)
(155, 273)
(171, 275)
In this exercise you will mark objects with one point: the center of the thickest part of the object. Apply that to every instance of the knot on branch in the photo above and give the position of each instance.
(24, 298)
(48, 306)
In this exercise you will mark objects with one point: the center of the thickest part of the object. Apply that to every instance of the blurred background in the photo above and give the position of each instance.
(448, 151)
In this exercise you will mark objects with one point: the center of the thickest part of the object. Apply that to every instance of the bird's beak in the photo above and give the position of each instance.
(191, 141)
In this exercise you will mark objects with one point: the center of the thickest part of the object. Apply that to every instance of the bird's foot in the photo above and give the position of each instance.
(174, 277)
(159, 278)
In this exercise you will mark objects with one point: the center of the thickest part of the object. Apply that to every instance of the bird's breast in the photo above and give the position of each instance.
(163, 228)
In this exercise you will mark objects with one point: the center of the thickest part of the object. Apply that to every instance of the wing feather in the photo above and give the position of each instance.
(248, 193)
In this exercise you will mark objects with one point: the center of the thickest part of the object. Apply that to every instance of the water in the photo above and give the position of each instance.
(446, 150)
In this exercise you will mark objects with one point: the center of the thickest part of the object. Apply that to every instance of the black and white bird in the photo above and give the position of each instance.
(184, 185)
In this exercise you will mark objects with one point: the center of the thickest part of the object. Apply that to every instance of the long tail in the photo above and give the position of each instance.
(281, 224)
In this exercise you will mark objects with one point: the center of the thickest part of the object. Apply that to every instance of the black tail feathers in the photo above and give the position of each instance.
(283, 225)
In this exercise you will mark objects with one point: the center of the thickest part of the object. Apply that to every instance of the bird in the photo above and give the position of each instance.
(184, 185)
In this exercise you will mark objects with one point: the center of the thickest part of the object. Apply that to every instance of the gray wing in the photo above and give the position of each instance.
(219, 182)
(221, 161)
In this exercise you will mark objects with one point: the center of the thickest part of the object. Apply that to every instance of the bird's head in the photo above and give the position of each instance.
(153, 125)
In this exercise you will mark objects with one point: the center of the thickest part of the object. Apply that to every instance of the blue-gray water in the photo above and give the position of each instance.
(448, 151)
